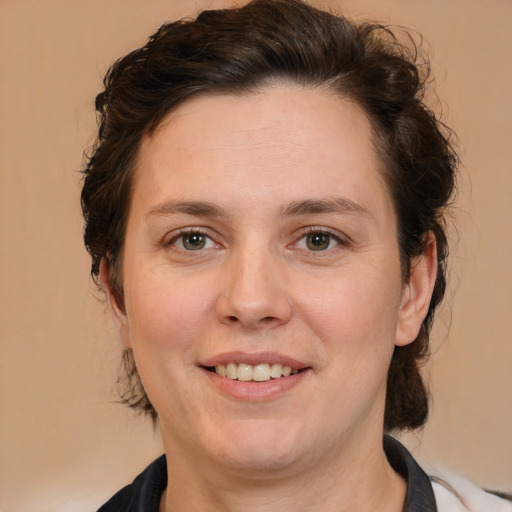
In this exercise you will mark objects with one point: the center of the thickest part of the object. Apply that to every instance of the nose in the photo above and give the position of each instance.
(255, 293)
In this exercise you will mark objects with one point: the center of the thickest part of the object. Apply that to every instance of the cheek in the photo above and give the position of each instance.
(167, 319)
(354, 314)
(167, 313)
(352, 322)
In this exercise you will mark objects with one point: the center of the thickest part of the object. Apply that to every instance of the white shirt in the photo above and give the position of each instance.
(456, 494)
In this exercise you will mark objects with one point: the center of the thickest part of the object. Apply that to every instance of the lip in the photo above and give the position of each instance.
(254, 359)
(255, 391)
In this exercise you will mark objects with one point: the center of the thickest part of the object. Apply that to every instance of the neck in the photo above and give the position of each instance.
(351, 479)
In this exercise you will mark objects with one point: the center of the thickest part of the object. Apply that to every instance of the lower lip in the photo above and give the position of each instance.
(255, 391)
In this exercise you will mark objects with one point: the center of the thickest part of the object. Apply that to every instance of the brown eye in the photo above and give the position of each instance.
(318, 241)
(194, 241)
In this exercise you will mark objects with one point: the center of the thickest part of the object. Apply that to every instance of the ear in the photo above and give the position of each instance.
(417, 294)
(117, 312)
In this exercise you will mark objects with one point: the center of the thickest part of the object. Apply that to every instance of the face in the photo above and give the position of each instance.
(262, 279)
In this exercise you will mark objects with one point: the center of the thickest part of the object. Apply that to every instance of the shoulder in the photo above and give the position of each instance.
(440, 491)
(143, 494)
(455, 493)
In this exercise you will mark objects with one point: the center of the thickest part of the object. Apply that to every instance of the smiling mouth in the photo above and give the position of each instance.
(256, 373)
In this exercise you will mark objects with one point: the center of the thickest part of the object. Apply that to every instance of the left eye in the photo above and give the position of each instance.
(193, 241)
(317, 241)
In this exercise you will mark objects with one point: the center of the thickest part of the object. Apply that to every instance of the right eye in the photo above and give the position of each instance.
(192, 241)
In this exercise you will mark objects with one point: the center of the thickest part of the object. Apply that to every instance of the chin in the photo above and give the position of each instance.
(256, 462)
(261, 448)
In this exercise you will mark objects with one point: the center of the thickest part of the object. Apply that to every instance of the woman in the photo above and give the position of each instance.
(264, 211)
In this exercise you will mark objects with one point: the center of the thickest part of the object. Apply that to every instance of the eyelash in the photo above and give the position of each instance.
(188, 232)
(340, 241)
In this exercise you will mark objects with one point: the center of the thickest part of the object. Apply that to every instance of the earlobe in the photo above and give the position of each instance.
(117, 312)
(417, 294)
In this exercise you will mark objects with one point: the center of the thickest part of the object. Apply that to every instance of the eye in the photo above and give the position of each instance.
(193, 241)
(318, 241)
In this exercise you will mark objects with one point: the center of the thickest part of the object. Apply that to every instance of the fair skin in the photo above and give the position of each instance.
(261, 231)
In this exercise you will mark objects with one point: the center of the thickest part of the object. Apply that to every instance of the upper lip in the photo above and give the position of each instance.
(254, 359)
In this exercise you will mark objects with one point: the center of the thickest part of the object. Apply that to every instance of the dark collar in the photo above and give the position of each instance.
(420, 495)
(144, 494)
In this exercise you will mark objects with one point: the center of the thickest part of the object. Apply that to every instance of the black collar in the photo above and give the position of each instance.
(420, 495)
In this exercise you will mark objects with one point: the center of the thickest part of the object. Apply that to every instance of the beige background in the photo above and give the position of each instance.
(64, 444)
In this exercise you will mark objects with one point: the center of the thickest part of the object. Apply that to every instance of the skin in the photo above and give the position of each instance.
(261, 174)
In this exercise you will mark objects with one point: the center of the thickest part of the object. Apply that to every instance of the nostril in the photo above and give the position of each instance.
(266, 321)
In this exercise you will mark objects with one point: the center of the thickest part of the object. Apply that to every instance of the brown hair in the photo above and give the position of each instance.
(235, 51)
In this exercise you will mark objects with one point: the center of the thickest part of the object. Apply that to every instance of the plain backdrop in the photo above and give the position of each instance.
(64, 443)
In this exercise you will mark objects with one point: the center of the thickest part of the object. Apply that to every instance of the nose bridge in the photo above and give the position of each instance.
(254, 293)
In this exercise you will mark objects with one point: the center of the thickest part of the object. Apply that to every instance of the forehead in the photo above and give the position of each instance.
(279, 139)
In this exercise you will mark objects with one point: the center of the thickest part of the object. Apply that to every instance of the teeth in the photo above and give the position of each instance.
(245, 372)
(259, 373)
(276, 370)
(231, 370)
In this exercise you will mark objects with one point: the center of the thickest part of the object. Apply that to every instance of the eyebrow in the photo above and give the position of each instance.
(196, 208)
(294, 209)
(335, 205)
